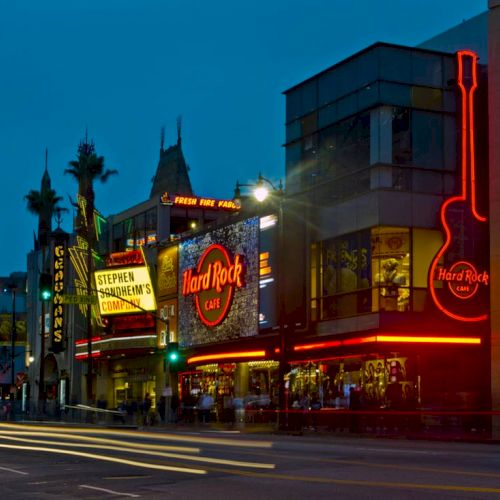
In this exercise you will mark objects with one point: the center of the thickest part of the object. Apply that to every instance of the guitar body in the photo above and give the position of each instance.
(458, 276)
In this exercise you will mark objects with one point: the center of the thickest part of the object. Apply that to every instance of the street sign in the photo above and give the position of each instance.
(79, 299)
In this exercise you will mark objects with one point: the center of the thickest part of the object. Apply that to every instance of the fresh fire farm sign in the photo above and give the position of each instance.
(124, 290)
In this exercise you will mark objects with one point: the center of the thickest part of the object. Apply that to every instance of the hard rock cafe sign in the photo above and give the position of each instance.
(463, 279)
(213, 283)
(455, 271)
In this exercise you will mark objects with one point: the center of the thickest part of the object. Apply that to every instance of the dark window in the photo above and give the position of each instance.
(401, 136)
(427, 139)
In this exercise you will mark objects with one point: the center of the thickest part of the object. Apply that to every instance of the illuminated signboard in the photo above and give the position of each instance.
(199, 202)
(458, 280)
(213, 283)
(57, 301)
(219, 284)
(167, 269)
(134, 257)
(130, 283)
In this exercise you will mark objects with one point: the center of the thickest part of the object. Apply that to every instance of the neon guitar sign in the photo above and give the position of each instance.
(457, 286)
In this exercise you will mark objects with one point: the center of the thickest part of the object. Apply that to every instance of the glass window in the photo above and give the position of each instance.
(367, 67)
(426, 69)
(425, 181)
(327, 115)
(426, 98)
(427, 139)
(309, 124)
(450, 142)
(345, 146)
(395, 93)
(309, 97)
(401, 136)
(426, 244)
(368, 95)
(328, 87)
(293, 131)
(345, 267)
(390, 254)
(395, 64)
(347, 106)
(293, 105)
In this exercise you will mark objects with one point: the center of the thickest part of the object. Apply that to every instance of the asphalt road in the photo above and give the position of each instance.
(39, 462)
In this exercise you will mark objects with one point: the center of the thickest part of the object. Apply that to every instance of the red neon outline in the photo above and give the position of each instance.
(322, 345)
(226, 355)
(222, 316)
(84, 341)
(467, 125)
(390, 338)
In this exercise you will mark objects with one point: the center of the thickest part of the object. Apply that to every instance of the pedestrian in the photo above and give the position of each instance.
(205, 405)
(146, 406)
(174, 407)
(161, 408)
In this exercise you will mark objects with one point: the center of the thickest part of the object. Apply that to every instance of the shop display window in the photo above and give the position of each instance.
(391, 268)
(354, 382)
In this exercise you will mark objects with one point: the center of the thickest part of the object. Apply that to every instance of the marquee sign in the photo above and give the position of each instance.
(130, 283)
(458, 282)
(198, 202)
(213, 283)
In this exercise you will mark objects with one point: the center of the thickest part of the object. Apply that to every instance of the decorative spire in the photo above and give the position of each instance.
(162, 138)
(46, 177)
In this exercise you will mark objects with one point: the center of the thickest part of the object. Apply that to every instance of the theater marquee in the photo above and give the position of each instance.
(133, 284)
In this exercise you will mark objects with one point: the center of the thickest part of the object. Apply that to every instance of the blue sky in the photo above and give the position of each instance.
(124, 68)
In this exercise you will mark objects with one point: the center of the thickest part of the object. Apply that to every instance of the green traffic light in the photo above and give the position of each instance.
(46, 294)
(173, 356)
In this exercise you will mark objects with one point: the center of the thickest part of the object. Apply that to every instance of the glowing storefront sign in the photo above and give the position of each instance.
(213, 283)
(462, 278)
(130, 283)
(199, 202)
(57, 304)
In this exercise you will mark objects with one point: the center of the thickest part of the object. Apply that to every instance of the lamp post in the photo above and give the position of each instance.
(13, 287)
(261, 193)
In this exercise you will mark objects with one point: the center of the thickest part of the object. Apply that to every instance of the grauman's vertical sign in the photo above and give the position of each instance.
(213, 283)
(58, 306)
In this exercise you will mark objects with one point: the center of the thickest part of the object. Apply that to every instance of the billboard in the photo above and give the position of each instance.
(219, 281)
(132, 284)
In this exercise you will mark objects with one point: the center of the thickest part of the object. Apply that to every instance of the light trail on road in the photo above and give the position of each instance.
(192, 458)
(106, 458)
(147, 435)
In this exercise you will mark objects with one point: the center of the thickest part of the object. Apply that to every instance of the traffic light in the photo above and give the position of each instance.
(173, 352)
(45, 287)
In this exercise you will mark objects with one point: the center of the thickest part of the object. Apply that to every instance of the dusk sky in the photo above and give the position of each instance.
(124, 68)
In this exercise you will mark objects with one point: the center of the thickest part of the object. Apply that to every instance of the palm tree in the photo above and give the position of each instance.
(44, 204)
(86, 169)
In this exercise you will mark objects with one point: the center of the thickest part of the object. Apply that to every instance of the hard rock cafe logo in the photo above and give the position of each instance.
(462, 279)
(213, 283)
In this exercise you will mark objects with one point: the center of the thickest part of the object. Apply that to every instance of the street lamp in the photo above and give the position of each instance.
(13, 287)
(261, 193)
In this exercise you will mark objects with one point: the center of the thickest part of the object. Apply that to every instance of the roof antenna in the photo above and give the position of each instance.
(179, 129)
(162, 138)
(46, 159)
